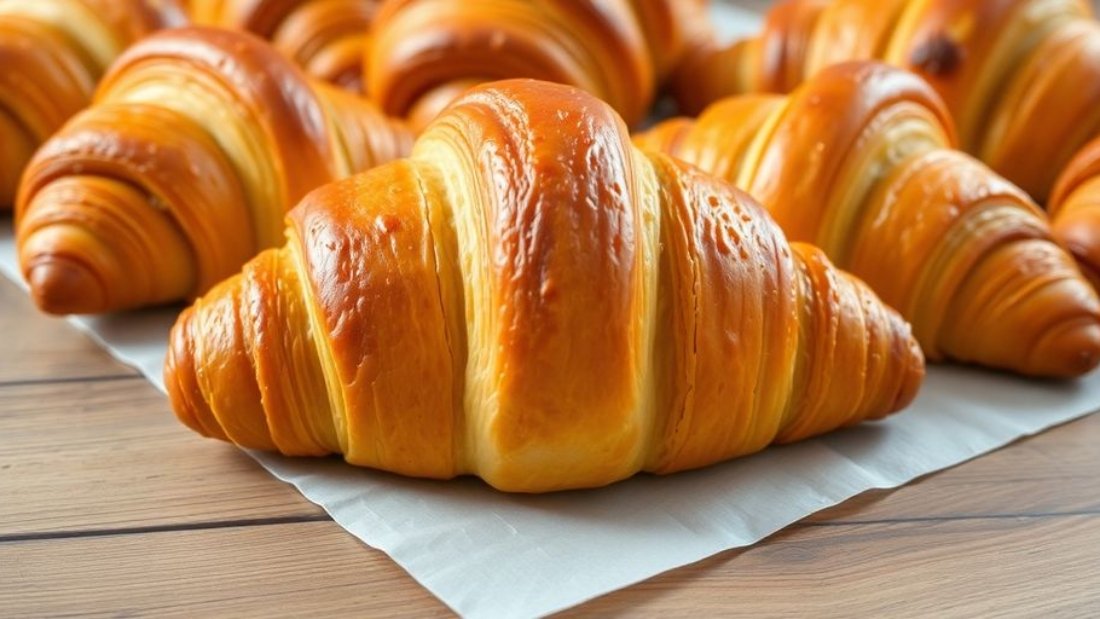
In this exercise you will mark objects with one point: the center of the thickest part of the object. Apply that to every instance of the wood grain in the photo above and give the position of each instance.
(110, 454)
(956, 568)
(301, 569)
(39, 347)
(1052, 473)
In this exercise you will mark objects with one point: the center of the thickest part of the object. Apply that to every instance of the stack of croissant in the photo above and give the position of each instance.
(1021, 79)
(419, 234)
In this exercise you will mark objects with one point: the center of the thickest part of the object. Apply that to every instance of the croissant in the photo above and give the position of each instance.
(1074, 209)
(859, 161)
(197, 143)
(1021, 78)
(327, 38)
(531, 300)
(424, 53)
(53, 53)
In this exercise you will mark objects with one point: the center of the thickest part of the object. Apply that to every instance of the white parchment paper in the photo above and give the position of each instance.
(487, 554)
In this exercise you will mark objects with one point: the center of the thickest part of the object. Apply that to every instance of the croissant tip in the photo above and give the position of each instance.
(61, 285)
(913, 377)
(1069, 352)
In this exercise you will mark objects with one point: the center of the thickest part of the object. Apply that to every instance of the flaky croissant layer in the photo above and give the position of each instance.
(424, 53)
(532, 300)
(1020, 78)
(52, 53)
(327, 38)
(197, 143)
(1074, 209)
(859, 161)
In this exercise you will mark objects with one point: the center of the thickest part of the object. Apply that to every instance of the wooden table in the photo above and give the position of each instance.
(109, 506)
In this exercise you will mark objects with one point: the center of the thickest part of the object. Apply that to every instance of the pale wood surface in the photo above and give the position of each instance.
(78, 444)
(109, 507)
(46, 350)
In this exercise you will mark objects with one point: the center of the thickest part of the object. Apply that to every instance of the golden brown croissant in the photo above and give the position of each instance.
(327, 38)
(858, 160)
(52, 53)
(531, 300)
(424, 53)
(1021, 78)
(1074, 208)
(197, 143)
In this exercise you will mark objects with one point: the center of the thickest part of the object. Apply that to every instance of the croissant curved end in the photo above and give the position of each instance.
(1077, 231)
(1070, 349)
(181, 382)
(1074, 209)
(59, 264)
(914, 374)
(179, 375)
(1047, 326)
(62, 285)
(90, 245)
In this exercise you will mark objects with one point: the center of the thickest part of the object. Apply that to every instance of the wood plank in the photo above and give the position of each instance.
(963, 568)
(303, 569)
(1053, 472)
(41, 347)
(947, 568)
(98, 455)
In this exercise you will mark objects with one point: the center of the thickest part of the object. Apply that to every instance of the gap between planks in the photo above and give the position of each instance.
(166, 528)
(68, 379)
(262, 522)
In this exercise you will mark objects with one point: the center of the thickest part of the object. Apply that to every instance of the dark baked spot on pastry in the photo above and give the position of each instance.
(938, 55)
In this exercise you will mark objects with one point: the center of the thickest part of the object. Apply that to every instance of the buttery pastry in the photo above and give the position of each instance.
(52, 53)
(859, 161)
(1021, 78)
(197, 143)
(424, 53)
(327, 38)
(532, 300)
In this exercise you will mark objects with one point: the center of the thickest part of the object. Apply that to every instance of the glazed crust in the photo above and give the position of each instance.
(859, 161)
(197, 143)
(1021, 79)
(532, 300)
(1075, 210)
(427, 52)
(327, 38)
(53, 52)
